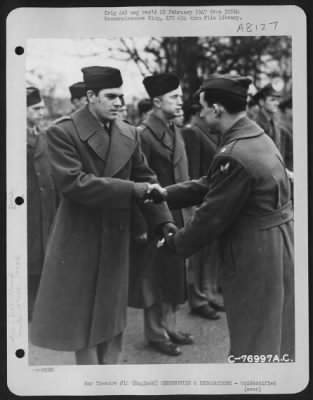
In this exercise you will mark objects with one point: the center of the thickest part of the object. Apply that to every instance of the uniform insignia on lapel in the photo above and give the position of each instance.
(223, 150)
(224, 168)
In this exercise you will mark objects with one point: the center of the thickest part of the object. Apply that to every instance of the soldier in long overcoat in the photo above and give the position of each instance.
(246, 203)
(267, 118)
(100, 171)
(203, 267)
(41, 193)
(158, 279)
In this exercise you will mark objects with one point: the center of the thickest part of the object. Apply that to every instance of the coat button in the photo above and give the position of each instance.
(38, 173)
(41, 189)
(284, 215)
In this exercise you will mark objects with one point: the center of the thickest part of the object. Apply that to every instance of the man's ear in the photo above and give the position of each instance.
(156, 101)
(91, 96)
(218, 108)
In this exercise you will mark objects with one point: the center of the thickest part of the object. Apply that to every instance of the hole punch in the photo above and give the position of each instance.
(20, 353)
(19, 50)
(19, 200)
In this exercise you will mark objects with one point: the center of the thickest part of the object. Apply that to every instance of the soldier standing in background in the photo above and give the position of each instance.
(41, 194)
(100, 172)
(158, 279)
(78, 95)
(144, 109)
(203, 267)
(267, 118)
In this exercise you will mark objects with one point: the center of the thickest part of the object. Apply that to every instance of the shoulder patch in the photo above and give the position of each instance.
(224, 167)
(61, 119)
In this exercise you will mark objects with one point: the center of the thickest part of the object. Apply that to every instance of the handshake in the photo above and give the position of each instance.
(150, 193)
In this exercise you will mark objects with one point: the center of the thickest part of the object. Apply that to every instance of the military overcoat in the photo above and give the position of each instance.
(281, 136)
(157, 273)
(82, 298)
(246, 203)
(41, 200)
(200, 146)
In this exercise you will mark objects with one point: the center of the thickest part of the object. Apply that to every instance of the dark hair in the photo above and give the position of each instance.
(144, 106)
(233, 104)
(191, 109)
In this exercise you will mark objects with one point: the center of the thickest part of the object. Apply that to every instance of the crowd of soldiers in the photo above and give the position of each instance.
(159, 214)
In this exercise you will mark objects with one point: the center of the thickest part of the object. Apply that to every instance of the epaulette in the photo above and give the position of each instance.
(61, 119)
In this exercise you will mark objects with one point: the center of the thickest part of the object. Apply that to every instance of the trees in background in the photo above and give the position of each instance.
(193, 58)
(50, 63)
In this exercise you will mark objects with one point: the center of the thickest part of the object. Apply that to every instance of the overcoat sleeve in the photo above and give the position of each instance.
(187, 194)
(229, 187)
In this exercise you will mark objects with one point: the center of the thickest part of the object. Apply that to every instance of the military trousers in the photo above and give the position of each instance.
(202, 276)
(159, 320)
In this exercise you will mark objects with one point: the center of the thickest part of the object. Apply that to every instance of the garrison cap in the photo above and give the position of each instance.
(77, 90)
(144, 105)
(234, 85)
(33, 96)
(102, 77)
(266, 91)
(157, 85)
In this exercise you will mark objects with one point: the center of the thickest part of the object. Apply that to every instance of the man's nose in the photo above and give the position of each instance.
(117, 102)
(180, 101)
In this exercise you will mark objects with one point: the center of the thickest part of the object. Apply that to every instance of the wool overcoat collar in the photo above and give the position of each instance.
(242, 129)
(163, 134)
(122, 143)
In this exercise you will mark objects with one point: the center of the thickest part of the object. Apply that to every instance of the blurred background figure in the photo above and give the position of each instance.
(144, 109)
(41, 193)
(268, 118)
(202, 272)
(285, 107)
(78, 95)
(123, 112)
(179, 120)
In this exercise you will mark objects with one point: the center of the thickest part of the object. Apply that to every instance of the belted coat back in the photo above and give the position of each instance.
(82, 298)
(246, 203)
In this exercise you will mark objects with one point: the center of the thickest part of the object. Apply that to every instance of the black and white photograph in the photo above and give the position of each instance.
(162, 238)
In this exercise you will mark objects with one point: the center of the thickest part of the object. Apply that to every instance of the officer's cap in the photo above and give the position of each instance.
(32, 96)
(102, 77)
(77, 90)
(234, 85)
(266, 91)
(157, 85)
